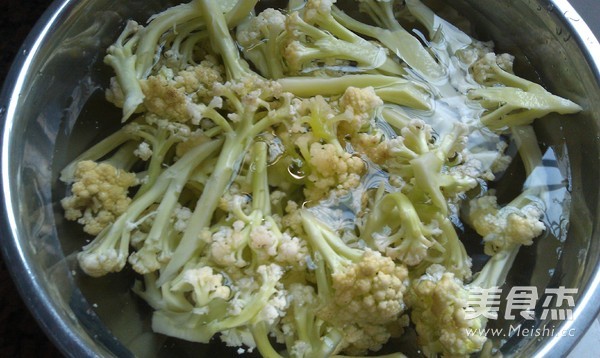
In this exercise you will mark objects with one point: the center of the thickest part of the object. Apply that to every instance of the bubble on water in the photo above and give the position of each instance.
(295, 170)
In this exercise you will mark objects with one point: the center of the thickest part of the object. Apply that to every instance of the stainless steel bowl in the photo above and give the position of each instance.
(52, 107)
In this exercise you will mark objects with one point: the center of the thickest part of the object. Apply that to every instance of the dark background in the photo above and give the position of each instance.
(20, 335)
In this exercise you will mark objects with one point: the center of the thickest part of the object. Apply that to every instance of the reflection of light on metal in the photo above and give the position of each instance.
(30, 53)
(552, 174)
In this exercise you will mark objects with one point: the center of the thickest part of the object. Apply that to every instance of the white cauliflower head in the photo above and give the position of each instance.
(99, 195)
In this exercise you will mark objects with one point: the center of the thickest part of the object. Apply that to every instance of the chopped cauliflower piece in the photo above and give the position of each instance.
(504, 228)
(99, 195)
(332, 170)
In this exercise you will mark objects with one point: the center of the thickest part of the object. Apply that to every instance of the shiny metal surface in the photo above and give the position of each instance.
(57, 79)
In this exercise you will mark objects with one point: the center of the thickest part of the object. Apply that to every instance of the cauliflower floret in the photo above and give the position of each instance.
(316, 8)
(268, 244)
(172, 95)
(200, 79)
(253, 90)
(367, 297)
(265, 283)
(328, 162)
(164, 97)
(332, 169)
(373, 146)
(109, 260)
(438, 300)
(292, 252)
(275, 307)
(474, 52)
(182, 217)
(227, 244)
(238, 337)
(360, 339)
(269, 20)
(370, 291)
(292, 220)
(504, 228)
(397, 153)
(482, 69)
(114, 93)
(263, 241)
(359, 105)
(204, 285)
(261, 37)
(99, 195)
(361, 102)
(235, 204)
(152, 254)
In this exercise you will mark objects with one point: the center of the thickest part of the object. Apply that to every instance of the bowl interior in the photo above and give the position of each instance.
(57, 108)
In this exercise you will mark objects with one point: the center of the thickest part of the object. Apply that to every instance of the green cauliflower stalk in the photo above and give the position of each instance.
(390, 89)
(395, 229)
(509, 100)
(393, 36)
(108, 252)
(318, 37)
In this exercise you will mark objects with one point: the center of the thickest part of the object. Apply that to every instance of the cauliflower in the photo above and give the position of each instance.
(303, 175)
(227, 245)
(261, 38)
(316, 40)
(394, 228)
(366, 287)
(509, 100)
(438, 301)
(331, 170)
(305, 333)
(504, 228)
(173, 95)
(253, 301)
(203, 284)
(374, 146)
(164, 98)
(109, 250)
(362, 338)
(482, 70)
(292, 252)
(292, 220)
(143, 151)
(370, 291)
(361, 102)
(396, 154)
(99, 195)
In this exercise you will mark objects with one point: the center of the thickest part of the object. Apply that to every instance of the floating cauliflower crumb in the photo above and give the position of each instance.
(99, 195)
